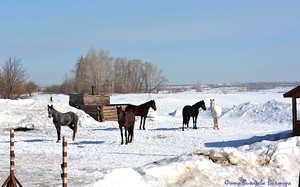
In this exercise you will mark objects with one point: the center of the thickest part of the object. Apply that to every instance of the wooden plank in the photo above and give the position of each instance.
(80, 100)
(110, 112)
(103, 113)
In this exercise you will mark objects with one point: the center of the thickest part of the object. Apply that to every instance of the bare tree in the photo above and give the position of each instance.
(119, 75)
(153, 78)
(81, 76)
(158, 81)
(134, 74)
(30, 87)
(68, 85)
(98, 70)
(13, 77)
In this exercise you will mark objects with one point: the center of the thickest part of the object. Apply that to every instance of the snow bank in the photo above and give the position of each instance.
(32, 113)
(265, 164)
(268, 112)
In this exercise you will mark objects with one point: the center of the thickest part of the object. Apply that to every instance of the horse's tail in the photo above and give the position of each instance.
(76, 122)
(79, 123)
(185, 119)
(186, 115)
(128, 108)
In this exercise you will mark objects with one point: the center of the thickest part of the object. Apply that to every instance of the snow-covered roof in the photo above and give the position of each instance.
(295, 92)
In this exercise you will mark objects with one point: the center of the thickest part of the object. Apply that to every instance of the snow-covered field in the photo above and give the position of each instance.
(253, 146)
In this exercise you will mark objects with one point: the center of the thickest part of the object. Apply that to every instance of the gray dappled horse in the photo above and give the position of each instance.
(69, 119)
(191, 111)
(126, 120)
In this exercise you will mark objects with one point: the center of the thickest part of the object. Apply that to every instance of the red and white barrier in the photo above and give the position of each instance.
(12, 180)
(64, 164)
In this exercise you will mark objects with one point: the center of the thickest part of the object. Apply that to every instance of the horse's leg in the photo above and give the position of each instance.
(72, 126)
(194, 122)
(58, 127)
(129, 134)
(218, 119)
(144, 123)
(188, 121)
(120, 127)
(126, 137)
(75, 130)
(215, 123)
(183, 121)
(141, 123)
(75, 127)
(131, 137)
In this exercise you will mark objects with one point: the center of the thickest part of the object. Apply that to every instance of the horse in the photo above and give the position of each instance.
(141, 110)
(69, 119)
(191, 111)
(216, 111)
(126, 120)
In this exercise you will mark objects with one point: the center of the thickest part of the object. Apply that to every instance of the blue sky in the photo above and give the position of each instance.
(192, 41)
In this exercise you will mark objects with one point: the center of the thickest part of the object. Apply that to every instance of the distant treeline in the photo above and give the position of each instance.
(252, 86)
(107, 74)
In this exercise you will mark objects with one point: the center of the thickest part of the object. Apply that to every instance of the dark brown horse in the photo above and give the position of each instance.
(141, 110)
(126, 120)
(192, 111)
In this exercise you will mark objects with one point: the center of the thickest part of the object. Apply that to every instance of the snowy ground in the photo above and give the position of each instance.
(253, 146)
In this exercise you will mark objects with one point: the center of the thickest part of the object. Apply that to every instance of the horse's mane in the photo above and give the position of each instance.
(197, 105)
(147, 102)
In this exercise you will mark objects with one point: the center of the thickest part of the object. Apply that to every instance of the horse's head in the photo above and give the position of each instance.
(212, 103)
(50, 111)
(153, 105)
(119, 111)
(202, 105)
(199, 104)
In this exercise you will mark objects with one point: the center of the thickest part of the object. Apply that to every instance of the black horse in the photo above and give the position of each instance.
(141, 110)
(69, 119)
(192, 111)
(126, 120)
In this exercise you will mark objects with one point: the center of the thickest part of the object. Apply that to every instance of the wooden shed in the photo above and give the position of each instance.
(294, 94)
(97, 106)
(80, 100)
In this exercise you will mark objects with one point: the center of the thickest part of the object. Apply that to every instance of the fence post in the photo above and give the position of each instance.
(64, 164)
(299, 180)
(12, 180)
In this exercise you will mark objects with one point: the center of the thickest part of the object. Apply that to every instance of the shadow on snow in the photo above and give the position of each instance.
(142, 154)
(166, 129)
(254, 139)
(87, 142)
(106, 129)
(29, 141)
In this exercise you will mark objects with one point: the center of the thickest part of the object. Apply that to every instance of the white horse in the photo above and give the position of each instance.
(216, 111)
